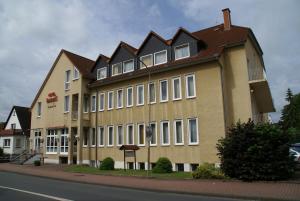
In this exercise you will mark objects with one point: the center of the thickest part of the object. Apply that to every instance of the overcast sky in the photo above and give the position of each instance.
(33, 32)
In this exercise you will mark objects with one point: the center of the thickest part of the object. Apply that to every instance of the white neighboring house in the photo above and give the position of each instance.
(14, 139)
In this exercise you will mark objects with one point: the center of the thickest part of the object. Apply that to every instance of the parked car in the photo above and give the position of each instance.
(295, 151)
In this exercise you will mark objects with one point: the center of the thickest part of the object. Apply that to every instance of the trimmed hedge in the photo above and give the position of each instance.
(107, 164)
(256, 152)
(208, 171)
(37, 163)
(163, 165)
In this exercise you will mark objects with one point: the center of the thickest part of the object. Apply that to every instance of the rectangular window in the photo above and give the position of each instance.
(153, 140)
(13, 126)
(67, 79)
(39, 109)
(18, 143)
(164, 91)
(141, 134)
(128, 66)
(165, 133)
(6, 142)
(151, 93)
(75, 73)
(110, 101)
(140, 95)
(86, 103)
(51, 144)
(66, 104)
(178, 132)
(190, 86)
(93, 104)
(182, 51)
(64, 141)
(85, 137)
(148, 60)
(93, 137)
(101, 136)
(176, 86)
(101, 73)
(130, 134)
(120, 98)
(101, 101)
(160, 57)
(193, 130)
(129, 97)
(120, 135)
(110, 137)
(116, 69)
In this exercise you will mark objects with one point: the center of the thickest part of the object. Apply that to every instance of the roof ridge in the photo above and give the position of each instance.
(66, 51)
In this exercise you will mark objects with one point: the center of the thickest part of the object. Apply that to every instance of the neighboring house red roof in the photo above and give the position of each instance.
(11, 132)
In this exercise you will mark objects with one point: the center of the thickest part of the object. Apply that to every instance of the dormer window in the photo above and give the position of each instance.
(128, 66)
(116, 69)
(101, 73)
(160, 57)
(182, 51)
(146, 60)
(75, 73)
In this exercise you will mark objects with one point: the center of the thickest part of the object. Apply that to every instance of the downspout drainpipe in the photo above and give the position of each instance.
(223, 94)
(96, 131)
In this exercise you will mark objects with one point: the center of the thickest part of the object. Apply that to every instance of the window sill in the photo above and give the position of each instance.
(177, 99)
(129, 106)
(110, 145)
(141, 145)
(194, 144)
(75, 79)
(66, 112)
(165, 145)
(109, 109)
(190, 97)
(153, 145)
(6, 147)
(182, 58)
(179, 144)
(164, 101)
(119, 107)
(51, 153)
(100, 145)
(140, 105)
(101, 110)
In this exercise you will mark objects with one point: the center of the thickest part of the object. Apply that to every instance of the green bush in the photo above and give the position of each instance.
(208, 171)
(107, 164)
(1, 152)
(256, 152)
(37, 163)
(163, 165)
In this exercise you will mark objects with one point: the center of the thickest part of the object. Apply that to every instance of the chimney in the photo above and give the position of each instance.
(227, 19)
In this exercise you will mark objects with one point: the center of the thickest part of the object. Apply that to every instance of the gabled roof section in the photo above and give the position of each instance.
(151, 33)
(24, 117)
(128, 47)
(181, 29)
(101, 56)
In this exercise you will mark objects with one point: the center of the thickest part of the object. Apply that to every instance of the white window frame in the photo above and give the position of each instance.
(86, 100)
(137, 95)
(155, 64)
(122, 134)
(153, 102)
(175, 130)
(127, 97)
(5, 144)
(142, 65)
(161, 133)
(178, 47)
(52, 136)
(173, 88)
(103, 135)
(186, 86)
(39, 109)
(108, 138)
(99, 73)
(75, 73)
(67, 82)
(127, 62)
(160, 91)
(122, 99)
(85, 132)
(138, 134)
(127, 134)
(103, 95)
(66, 104)
(92, 135)
(64, 134)
(112, 70)
(154, 133)
(108, 100)
(93, 103)
(197, 129)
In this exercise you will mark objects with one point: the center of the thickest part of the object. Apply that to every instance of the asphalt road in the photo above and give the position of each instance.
(24, 187)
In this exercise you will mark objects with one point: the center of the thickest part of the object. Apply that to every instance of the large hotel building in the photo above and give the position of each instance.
(200, 83)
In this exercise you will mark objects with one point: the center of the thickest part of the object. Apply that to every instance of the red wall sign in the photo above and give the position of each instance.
(52, 97)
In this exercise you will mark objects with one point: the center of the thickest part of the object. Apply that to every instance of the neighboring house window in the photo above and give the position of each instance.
(120, 98)
(120, 134)
(39, 109)
(64, 141)
(66, 104)
(128, 66)
(176, 86)
(140, 95)
(110, 136)
(18, 143)
(93, 137)
(13, 126)
(130, 134)
(151, 93)
(102, 102)
(129, 97)
(147, 59)
(67, 79)
(93, 104)
(51, 145)
(6, 143)
(101, 136)
(76, 74)
(141, 134)
(86, 103)
(101, 73)
(110, 101)
(193, 130)
(165, 132)
(182, 51)
(116, 69)
(178, 132)
(190, 86)
(153, 140)
(160, 57)
(164, 91)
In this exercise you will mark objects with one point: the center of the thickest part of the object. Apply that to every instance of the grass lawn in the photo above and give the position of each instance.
(121, 172)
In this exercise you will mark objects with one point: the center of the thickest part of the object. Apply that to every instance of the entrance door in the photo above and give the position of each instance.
(37, 141)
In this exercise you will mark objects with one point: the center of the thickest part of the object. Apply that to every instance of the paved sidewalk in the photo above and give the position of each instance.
(254, 190)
